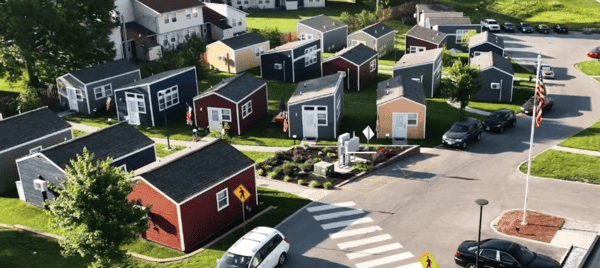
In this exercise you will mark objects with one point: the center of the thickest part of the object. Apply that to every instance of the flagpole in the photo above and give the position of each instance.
(533, 115)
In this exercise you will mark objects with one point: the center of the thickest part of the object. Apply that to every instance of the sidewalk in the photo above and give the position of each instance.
(575, 151)
(313, 194)
(468, 109)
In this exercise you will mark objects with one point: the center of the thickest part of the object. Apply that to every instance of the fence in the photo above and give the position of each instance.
(288, 37)
(49, 96)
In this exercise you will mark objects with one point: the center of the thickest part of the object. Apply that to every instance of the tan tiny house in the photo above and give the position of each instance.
(237, 54)
(401, 109)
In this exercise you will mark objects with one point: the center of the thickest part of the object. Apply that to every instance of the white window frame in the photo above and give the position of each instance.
(35, 149)
(79, 94)
(123, 167)
(105, 91)
(338, 108)
(373, 65)
(233, 22)
(417, 79)
(459, 36)
(408, 119)
(258, 51)
(315, 110)
(492, 85)
(167, 20)
(247, 109)
(477, 53)
(226, 198)
(415, 49)
(174, 17)
(278, 66)
(195, 12)
(141, 101)
(222, 114)
(310, 59)
(169, 92)
(188, 14)
(310, 49)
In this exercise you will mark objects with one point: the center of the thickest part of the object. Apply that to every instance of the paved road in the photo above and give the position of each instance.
(426, 204)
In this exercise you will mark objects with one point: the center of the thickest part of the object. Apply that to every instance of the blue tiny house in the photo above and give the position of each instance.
(485, 42)
(144, 102)
(293, 62)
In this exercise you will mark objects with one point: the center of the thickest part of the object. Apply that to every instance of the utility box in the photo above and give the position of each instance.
(323, 168)
(352, 145)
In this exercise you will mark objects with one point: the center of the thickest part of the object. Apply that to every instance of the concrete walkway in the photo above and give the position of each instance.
(313, 194)
(575, 151)
(468, 109)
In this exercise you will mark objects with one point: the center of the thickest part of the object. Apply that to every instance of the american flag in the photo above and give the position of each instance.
(540, 91)
(188, 116)
(108, 103)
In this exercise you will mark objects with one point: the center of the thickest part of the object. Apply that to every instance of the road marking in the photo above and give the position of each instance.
(338, 214)
(346, 223)
(412, 265)
(366, 230)
(330, 206)
(385, 260)
(373, 251)
(364, 241)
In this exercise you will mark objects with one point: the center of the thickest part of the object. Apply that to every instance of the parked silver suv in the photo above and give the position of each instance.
(263, 247)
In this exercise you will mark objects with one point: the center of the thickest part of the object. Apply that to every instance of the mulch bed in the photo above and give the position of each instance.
(540, 227)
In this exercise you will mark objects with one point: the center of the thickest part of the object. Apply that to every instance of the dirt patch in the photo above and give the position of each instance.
(540, 227)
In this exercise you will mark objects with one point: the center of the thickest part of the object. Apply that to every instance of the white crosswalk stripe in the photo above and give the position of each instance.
(412, 265)
(364, 241)
(365, 230)
(338, 214)
(385, 260)
(346, 223)
(373, 251)
(330, 206)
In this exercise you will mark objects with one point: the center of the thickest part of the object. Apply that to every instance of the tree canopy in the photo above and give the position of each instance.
(462, 82)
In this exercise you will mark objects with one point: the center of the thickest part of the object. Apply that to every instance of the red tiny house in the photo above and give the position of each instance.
(418, 39)
(359, 62)
(340, 64)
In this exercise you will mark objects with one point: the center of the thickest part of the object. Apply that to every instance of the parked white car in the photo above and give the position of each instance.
(263, 247)
(547, 71)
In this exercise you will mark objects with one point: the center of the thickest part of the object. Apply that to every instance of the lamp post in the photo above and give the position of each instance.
(481, 203)
(162, 94)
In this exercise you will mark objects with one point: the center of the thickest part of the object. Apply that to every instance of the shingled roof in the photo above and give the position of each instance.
(315, 88)
(449, 21)
(398, 87)
(434, 7)
(293, 44)
(426, 34)
(162, 6)
(197, 171)
(235, 88)
(104, 70)
(156, 77)
(215, 18)
(446, 14)
(244, 40)
(28, 126)
(486, 36)
(322, 23)
(377, 30)
(357, 54)
(114, 141)
(418, 58)
(486, 60)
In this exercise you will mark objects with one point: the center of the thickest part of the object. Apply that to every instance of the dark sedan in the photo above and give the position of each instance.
(497, 253)
(527, 107)
(462, 132)
(525, 27)
(508, 27)
(561, 29)
(500, 120)
(543, 28)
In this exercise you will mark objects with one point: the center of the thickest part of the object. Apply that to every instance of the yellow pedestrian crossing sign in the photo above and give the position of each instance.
(241, 193)
(427, 261)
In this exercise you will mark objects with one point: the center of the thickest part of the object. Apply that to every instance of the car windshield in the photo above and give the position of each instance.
(459, 128)
(523, 255)
(230, 260)
(525, 25)
(546, 68)
(543, 26)
(492, 22)
(508, 24)
(495, 116)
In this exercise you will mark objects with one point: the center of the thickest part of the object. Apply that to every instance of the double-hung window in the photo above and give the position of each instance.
(321, 115)
(240, 23)
(310, 49)
(233, 22)
(173, 17)
(415, 49)
(258, 51)
(460, 36)
(103, 91)
(246, 109)
(222, 199)
(188, 14)
(413, 119)
(166, 18)
(79, 94)
(195, 13)
(140, 101)
(168, 98)
(373, 65)
(225, 115)
(311, 59)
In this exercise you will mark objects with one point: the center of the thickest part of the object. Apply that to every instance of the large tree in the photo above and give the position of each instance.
(462, 82)
(93, 210)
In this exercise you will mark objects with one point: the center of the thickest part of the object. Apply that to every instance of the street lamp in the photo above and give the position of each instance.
(481, 203)
(162, 94)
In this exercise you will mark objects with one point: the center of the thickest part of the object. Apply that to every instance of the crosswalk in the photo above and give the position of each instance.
(373, 249)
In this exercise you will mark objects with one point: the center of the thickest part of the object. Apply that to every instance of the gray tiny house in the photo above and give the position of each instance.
(378, 37)
(315, 109)
(485, 42)
(424, 67)
(87, 90)
(129, 149)
(454, 28)
(24, 134)
(333, 34)
(496, 78)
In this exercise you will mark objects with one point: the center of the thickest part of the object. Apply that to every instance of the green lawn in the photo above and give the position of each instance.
(257, 156)
(13, 89)
(597, 79)
(178, 130)
(587, 139)
(161, 149)
(78, 133)
(100, 121)
(565, 166)
(591, 67)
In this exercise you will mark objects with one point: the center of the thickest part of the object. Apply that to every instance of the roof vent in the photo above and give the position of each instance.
(388, 84)
(387, 92)
(375, 31)
(300, 92)
(304, 84)
(324, 27)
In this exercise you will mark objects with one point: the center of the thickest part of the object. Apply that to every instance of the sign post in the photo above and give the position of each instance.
(368, 132)
(242, 194)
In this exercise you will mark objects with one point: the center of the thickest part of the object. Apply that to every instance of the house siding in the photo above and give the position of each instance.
(145, 16)
(121, 104)
(303, 29)
(212, 54)
(116, 82)
(385, 44)
(246, 57)
(360, 36)
(313, 3)
(181, 23)
(451, 31)
(30, 169)
(63, 95)
(268, 70)
(215, 101)
(188, 89)
(259, 108)
(487, 93)
(137, 160)
(486, 47)
(9, 173)
(335, 40)
(365, 73)
(200, 216)
(411, 41)
(241, 4)
(424, 70)
(340, 64)
(295, 118)
(387, 110)
(303, 72)
(163, 227)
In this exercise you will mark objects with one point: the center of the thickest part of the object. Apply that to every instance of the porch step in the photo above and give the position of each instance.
(310, 141)
(399, 142)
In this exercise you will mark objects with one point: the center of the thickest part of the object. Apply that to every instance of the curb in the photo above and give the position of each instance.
(294, 214)
(590, 76)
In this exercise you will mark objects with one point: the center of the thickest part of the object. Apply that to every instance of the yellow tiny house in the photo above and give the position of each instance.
(237, 54)
(401, 109)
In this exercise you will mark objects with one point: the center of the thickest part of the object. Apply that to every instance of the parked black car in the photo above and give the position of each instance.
(525, 27)
(543, 28)
(508, 27)
(498, 253)
(527, 107)
(561, 29)
(463, 132)
(500, 120)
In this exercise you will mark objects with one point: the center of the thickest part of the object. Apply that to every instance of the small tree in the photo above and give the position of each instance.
(93, 210)
(366, 18)
(462, 82)
(466, 37)
(29, 99)
(345, 17)
(447, 58)
(270, 33)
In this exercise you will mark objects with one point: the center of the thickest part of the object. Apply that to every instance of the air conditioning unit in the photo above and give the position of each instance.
(495, 86)
(221, 57)
(40, 185)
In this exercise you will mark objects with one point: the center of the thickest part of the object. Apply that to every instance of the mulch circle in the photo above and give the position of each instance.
(540, 227)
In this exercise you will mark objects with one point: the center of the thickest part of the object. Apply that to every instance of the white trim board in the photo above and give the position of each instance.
(484, 42)
(428, 41)
(413, 65)
(137, 70)
(37, 139)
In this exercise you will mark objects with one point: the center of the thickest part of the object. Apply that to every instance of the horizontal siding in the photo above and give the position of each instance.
(259, 108)
(30, 169)
(138, 160)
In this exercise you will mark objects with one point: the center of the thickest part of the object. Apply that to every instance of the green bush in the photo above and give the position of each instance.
(331, 155)
(278, 170)
(363, 166)
(314, 184)
(317, 160)
(268, 168)
(326, 150)
(272, 175)
(290, 169)
(29, 99)
(260, 172)
(300, 182)
(287, 178)
(298, 158)
(327, 185)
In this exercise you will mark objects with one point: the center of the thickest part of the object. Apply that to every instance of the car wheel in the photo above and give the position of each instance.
(464, 145)
(282, 259)
(479, 136)
(470, 265)
(501, 129)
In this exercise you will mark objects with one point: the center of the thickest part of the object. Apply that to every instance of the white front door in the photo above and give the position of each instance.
(132, 111)
(400, 121)
(309, 125)
(214, 117)
(72, 95)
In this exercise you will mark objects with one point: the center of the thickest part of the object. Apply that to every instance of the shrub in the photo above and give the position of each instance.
(331, 155)
(268, 168)
(298, 158)
(307, 167)
(290, 169)
(327, 185)
(314, 184)
(320, 153)
(29, 99)
(317, 160)
(300, 182)
(271, 161)
(287, 178)
(272, 175)
(363, 166)
(278, 170)
(326, 150)
(309, 161)
(382, 155)
(260, 172)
